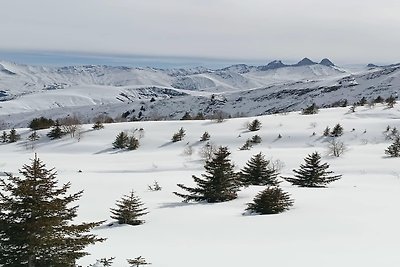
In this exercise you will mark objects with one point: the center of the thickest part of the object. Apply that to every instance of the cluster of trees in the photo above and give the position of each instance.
(335, 132)
(36, 220)
(125, 141)
(10, 137)
(221, 183)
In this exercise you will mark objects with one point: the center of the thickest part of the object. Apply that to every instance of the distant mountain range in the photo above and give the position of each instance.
(238, 90)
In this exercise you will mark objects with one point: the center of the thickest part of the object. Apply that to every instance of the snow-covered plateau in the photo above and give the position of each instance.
(351, 222)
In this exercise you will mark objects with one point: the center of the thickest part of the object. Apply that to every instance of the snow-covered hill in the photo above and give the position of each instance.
(352, 222)
(239, 90)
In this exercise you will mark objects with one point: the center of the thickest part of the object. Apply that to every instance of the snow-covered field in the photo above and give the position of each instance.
(352, 222)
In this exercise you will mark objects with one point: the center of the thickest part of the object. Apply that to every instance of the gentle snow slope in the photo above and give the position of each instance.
(352, 222)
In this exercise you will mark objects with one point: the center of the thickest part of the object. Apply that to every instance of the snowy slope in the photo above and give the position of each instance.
(240, 90)
(353, 222)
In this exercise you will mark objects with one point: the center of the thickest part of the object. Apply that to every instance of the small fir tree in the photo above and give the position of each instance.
(4, 137)
(337, 130)
(121, 140)
(327, 131)
(179, 135)
(98, 125)
(394, 149)
(220, 183)
(247, 145)
(270, 201)
(205, 137)
(133, 143)
(312, 173)
(255, 125)
(33, 136)
(13, 136)
(258, 171)
(391, 101)
(186, 117)
(255, 139)
(36, 220)
(313, 109)
(56, 132)
(137, 262)
(129, 210)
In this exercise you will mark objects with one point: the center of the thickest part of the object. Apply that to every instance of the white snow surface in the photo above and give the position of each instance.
(352, 222)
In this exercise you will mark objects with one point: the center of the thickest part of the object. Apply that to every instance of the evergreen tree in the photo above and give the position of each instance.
(121, 140)
(133, 143)
(312, 173)
(362, 101)
(35, 220)
(337, 130)
(97, 125)
(33, 136)
(258, 172)
(255, 125)
(313, 109)
(41, 123)
(56, 132)
(327, 131)
(4, 137)
(205, 137)
(186, 116)
(137, 262)
(255, 139)
(179, 135)
(394, 149)
(270, 201)
(128, 210)
(391, 101)
(220, 183)
(13, 136)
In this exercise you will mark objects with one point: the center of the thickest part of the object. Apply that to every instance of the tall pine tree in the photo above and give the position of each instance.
(128, 210)
(220, 183)
(258, 172)
(312, 173)
(35, 220)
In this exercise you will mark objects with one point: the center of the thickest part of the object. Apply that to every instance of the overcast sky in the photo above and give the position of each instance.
(348, 31)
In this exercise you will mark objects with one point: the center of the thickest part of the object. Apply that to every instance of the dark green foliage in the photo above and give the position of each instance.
(313, 109)
(133, 143)
(13, 136)
(337, 130)
(255, 139)
(199, 116)
(136, 262)
(4, 137)
(258, 171)
(56, 132)
(97, 125)
(220, 183)
(205, 137)
(129, 210)
(33, 136)
(394, 149)
(247, 145)
(312, 173)
(362, 101)
(186, 116)
(41, 123)
(179, 135)
(379, 99)
(327, 131)
(391, 101)
(35, 220)
(121, 140)
(255, 125)
(270, 201)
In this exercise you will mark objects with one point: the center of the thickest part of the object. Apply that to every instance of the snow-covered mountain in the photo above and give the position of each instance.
(238, 90)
